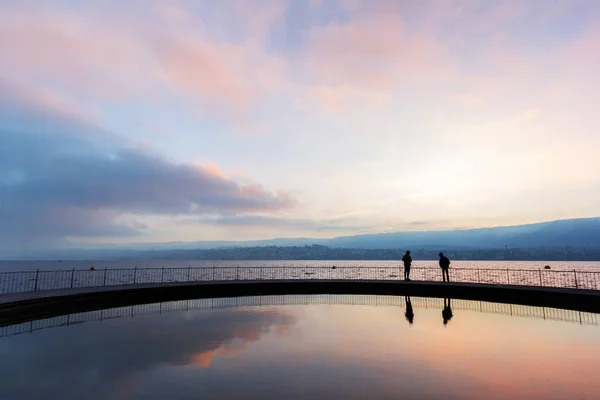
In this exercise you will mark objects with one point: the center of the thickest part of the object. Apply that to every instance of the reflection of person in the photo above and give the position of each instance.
(407, 260)
(445, 266)
(410, 316)
(447, 311)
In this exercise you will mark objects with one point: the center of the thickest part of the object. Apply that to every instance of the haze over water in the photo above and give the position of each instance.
(7, 266)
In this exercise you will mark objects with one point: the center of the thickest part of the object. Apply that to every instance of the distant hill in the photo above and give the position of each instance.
(584, 232)
(576, 233)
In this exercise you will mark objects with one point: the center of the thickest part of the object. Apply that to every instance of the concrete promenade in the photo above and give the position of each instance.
(22, 307)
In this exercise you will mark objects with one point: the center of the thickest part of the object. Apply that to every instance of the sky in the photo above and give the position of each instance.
(152, 121)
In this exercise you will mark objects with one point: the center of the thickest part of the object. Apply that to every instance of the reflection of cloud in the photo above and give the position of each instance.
(335, 351)
(108, 354)
(478, 355)
(489, 354)
(231, 348)
(202, 359)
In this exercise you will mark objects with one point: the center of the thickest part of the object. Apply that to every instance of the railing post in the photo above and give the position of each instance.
(575, 274)
(134, 275)
(162, 275)
(189, 269)
(261, 272)
(478, 276)
(540, 271)
(507, 277)
(237, 273)
(104, 283)
(72, 276)
(213, 278)
(37, 273)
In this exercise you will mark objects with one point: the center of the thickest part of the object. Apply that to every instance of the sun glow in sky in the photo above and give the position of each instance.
(152, 120)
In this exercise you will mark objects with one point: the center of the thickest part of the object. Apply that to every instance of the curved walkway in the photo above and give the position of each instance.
(22, 307)
(192, 305)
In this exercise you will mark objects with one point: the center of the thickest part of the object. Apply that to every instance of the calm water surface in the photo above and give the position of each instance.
(306, 347)
(99, 264)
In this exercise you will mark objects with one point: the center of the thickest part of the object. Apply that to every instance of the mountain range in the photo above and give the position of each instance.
(576, 233)
(581, 232)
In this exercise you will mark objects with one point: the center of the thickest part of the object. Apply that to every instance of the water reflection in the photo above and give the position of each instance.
(447, 311)
(260, 301)
(310, 348)
(91, 361)
(409, 314)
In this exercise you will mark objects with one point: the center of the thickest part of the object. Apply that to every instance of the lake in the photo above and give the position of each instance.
(305, 347)
(99, 264)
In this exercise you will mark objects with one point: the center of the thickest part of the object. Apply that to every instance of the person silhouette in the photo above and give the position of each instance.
(407, 260)
(447, 311)
(445, 266)
(409, 314)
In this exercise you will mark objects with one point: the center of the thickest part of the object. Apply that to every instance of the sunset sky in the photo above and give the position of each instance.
(149, 120)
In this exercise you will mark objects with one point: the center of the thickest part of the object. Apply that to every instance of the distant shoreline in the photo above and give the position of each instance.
(316, 253)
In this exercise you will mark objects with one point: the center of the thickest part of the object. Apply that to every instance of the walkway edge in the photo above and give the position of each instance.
(24, 307)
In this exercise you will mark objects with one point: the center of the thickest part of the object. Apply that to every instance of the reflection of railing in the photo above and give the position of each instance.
(262, 301)
(28, 281)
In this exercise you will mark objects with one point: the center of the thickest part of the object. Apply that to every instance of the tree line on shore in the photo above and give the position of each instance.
(319, 252)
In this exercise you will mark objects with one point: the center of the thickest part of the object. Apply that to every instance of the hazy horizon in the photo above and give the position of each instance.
(183, 121)
(580, 235)
(266, 239)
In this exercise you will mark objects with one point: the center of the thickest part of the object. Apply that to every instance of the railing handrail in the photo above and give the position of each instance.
(37, 280)
(297, 266)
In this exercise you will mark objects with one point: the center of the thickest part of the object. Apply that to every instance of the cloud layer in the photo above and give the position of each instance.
(113, 117)
(62, 177)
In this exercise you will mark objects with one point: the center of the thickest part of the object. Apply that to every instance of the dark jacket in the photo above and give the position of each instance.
(444, 262)
(407, 260)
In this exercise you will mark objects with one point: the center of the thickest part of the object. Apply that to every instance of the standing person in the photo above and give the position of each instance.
(407, 260)
(445, 266)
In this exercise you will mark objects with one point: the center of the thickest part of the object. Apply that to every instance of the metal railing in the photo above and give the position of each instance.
(30, 281)
(571, 316)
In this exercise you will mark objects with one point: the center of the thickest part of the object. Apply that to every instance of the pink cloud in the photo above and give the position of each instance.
(216, 58)
(585, 49)
(222, 76)
(375, 52)
(67, 48)
(257, 18)
(53, 102)
(100, 55)
(467, 100)
(339, 98)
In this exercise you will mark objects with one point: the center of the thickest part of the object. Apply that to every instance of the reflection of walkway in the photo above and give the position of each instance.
(262, 301)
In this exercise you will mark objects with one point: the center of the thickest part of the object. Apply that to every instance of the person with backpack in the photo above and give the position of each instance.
(407, 260)
(445, 266)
